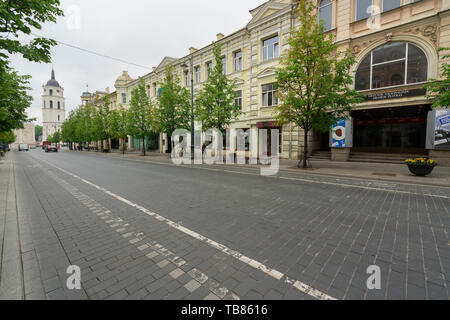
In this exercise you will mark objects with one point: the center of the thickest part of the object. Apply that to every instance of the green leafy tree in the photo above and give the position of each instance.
(14, 99)
(439, 90)
(37, 132)
(119, 125)
(215, 104)
(7, 137)
(173, 110)
(141, 114)
(17, 18)
(315, 79)
(104, 118)
(55, 137)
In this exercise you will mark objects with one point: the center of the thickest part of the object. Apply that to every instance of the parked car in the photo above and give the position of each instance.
(51, 149)
(45, 144)
(23, 147)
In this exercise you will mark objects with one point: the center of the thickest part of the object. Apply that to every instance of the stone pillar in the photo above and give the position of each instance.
(340, 154)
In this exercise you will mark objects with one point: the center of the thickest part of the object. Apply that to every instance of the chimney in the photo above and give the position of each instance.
(192, 50)
(220, 36)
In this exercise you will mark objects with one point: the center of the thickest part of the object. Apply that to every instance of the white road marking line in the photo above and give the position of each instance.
(253, 263)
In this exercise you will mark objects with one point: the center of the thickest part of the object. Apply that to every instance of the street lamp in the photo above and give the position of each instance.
(184, 65)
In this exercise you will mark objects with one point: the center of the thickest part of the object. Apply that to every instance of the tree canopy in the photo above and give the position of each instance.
(314, 79)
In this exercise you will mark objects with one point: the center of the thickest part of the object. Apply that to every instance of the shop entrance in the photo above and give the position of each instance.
(391, 130)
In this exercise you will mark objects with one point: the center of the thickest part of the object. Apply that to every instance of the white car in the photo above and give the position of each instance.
(23, 147)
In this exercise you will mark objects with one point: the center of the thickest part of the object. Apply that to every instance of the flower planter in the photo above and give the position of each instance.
(420, 170)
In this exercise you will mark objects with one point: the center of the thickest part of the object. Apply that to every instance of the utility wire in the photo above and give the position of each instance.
(93, 52)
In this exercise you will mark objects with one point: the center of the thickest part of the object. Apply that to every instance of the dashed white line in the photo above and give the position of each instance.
(251, 262)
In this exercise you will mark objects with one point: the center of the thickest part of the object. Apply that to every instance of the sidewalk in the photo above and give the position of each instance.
(11, 277)
(359, 170)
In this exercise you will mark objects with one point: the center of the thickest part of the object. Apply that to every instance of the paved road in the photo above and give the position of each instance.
(156, 231)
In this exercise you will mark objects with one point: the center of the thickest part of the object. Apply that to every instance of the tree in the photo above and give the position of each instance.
(173, 110)
(18, 17)
(215, 105)
(6, 137)
(314, 79)
(55, 137)
(14, 99)
(119, 125)
(37, 132)
(104, 118)
(439, 90)
(141, 114)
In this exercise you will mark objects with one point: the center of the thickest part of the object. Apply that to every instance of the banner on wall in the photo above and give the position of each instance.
(342, 133)
(438, 130)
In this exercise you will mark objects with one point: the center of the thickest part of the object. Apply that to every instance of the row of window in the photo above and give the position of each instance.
(363, 9)
(50, 91)
(270, 51)
(51, 104)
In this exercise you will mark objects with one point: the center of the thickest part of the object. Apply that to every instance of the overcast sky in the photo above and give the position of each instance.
(138, 31)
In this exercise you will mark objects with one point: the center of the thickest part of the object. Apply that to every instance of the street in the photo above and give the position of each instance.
(153, 230)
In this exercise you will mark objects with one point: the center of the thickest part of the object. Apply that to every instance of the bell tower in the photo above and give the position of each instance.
(53, 107)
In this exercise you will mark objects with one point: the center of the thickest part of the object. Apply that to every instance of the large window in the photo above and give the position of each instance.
(198, 74)
(393, 64)
(270, 95)
(271, 48)
(51, 104)
(238, 61)
(325, 13)
(390, 4)
(209, 67)
(59, 105)
(124, 98)
(224, 65)
(363, 9)
(186, 78)
(238, 99)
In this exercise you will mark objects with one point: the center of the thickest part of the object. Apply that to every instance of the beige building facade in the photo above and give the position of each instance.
(396, 47)
(24, 136)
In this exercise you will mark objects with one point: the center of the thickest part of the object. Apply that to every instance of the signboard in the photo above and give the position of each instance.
(342, 134)
(395, 94)
(438, 130)
(267, 124)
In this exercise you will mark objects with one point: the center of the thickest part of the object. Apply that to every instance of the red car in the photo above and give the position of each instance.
(51, 149)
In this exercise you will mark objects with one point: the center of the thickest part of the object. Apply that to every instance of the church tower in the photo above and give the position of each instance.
(53, 107)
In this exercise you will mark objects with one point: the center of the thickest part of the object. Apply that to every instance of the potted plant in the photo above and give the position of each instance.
(420, 166)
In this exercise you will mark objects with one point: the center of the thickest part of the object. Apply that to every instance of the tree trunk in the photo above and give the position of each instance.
(169, 145)
(101, 146)
(123, 146)
(143, 146)
(305, 151)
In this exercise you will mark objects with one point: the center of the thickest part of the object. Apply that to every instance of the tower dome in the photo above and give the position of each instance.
(52, 82)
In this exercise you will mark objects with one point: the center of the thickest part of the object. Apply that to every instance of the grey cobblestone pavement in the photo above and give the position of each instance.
(320, 233)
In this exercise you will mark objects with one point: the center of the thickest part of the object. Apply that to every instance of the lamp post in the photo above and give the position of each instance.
(184, 65)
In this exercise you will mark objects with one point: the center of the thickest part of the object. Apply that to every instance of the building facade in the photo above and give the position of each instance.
(396, 47)
(53, 107)
(25, 135)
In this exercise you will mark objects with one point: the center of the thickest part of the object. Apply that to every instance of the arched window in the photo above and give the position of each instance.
(393, 64)
(326, 13)
(44, 104)
(59, 105)
(51, 104)
(51, 92)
